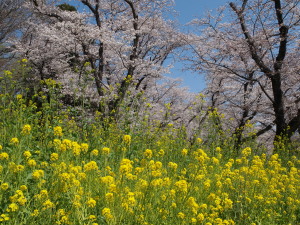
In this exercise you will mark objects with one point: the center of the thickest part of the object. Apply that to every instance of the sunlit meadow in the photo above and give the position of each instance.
(57, 168)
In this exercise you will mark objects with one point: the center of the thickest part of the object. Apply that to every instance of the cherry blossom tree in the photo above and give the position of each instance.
(251, 61)
(109, 51)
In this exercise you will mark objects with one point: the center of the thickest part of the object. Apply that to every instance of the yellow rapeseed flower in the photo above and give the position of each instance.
(215, 160)
(126, 166)
(181, 185)
(91, 203)
(161, 152)
(65, 176)
(26, 129)
(76, 203)
(184, 152)
(206, 184)
(192, 205)
(16, 168)
(27, 154)
(58, 131)
(4, 156)
(4, 186)
(181, 215)
(44, 193)
(14, 141)
(13, 207)
(54, 157)
(193, 220)
(228, 203)
(48, 204)
(157, 182)
(92, 218)
(107, 213)
(64, 219)
(4, 217)
(35, 212)
(127, 139)
(246, 151)
(23, 187)
(22, 200)
(109, 196)
(7, 73)
(172, 165)
(31, 162)
(19, 96)
(37, 174)
(92, 165)
(57, 143)
(199, 140)
(84, 147)
(200, 217)
(95, 152)
(76, 148)
(105, 151)
(148, 153)
(112, 188)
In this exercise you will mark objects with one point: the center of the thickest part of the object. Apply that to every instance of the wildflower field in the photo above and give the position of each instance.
(59, 169)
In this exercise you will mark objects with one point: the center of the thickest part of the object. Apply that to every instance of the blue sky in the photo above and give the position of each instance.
(188, 10)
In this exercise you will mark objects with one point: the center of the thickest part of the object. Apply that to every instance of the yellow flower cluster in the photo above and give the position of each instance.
(148, 153)
(4, 186)
(181, 186)
(14, 141)
(4, 217)
(127, 139)
(105, 150)
(92, 165)
(100, 176)
(107, 214)
(126, 166)
(37, 174)
(91, 203)
(58, 131)
(26, 129)
(48, 204)
(172, 165)
(68, 145)
(27, 154)
(4, 156)
(54, 157)
(15, 168)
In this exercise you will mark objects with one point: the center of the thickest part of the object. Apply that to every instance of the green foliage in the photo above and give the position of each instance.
(67, 7)
(56, 168)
